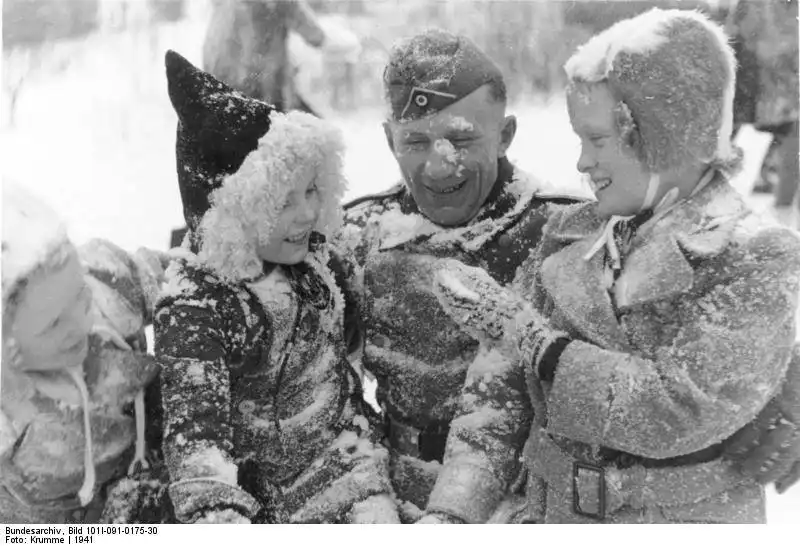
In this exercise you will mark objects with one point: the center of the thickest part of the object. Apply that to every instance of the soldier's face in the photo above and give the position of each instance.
(52, 320)
(449, 161)
(618, 179)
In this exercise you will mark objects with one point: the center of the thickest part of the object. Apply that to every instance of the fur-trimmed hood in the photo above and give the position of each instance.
(296, 146)
(32, 234)
(674, 73)
(237, 160)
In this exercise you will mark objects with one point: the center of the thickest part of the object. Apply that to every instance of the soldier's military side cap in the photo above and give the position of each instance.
(433, 70)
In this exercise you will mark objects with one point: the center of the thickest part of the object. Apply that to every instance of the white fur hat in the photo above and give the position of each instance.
(32, 232)
(297, 145)
(238, 159)
(674, 71)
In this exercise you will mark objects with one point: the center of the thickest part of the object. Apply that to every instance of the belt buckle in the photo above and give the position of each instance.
(579, 472)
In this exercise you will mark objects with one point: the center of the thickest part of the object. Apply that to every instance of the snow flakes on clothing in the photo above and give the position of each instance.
(210, 462)
(176, 282)
(692, 356)
(396, 227)
(639, 35)
(277, 392)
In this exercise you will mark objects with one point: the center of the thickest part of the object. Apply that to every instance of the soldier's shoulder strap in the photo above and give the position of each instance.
(394, 191)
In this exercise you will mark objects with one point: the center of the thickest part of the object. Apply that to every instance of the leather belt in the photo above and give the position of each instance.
(600, 490)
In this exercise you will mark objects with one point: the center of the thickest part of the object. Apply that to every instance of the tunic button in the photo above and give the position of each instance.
(504, 240)
(379, 341)
(247, 406)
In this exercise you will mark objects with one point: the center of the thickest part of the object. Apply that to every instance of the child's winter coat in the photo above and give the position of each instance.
(46, 459)
(263, 412)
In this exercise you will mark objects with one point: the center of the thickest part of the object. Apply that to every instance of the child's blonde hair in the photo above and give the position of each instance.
(297, 144)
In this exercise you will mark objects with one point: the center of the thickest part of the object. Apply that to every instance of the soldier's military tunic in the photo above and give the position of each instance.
(417, 354)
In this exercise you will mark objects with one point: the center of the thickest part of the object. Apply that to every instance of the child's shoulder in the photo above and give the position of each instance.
(188, 281)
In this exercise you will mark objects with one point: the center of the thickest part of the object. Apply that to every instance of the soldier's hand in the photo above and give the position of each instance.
(768, 448)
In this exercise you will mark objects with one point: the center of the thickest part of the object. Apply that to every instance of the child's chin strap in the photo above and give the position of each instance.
(606, 239)
(86, 493)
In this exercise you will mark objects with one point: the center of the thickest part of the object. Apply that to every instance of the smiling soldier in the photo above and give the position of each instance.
(460, 198)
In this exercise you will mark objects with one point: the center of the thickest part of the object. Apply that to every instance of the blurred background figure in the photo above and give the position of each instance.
(765, 39)
(246, 46)
(339, 61)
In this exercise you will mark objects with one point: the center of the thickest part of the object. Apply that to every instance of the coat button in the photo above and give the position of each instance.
(504, 240)
(247, 407)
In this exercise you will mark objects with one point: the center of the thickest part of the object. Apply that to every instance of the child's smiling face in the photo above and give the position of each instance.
(52, 320)
(288, 241)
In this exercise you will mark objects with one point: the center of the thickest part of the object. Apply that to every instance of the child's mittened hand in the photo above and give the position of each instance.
(475, 301)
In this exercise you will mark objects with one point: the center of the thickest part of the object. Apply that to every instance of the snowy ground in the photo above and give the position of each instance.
(96, 140)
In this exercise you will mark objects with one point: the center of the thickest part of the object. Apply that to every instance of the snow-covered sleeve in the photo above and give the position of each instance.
(304, 22)
(124, 286)
(350, 248)
(193, 347)
(726, 360)
(485, 441)
(355, 238)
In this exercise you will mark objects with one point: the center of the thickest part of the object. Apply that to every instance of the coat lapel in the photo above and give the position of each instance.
(658, 264)
(656, 270)
(577, 288)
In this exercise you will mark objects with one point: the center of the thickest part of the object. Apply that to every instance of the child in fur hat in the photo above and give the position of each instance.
(265, 420)
(653, 324)
(73, 363)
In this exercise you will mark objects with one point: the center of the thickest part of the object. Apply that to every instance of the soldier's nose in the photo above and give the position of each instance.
(439, 167)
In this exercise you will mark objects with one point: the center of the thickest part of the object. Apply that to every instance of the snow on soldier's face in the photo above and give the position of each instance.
(51, 322)
(618, 178)
(449, 160)
(288, 239)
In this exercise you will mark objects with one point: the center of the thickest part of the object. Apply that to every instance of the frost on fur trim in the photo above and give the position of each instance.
(638, 35)
(676, 72)
(297, 147)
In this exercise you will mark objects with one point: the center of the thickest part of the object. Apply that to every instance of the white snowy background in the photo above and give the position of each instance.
(93, 135)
